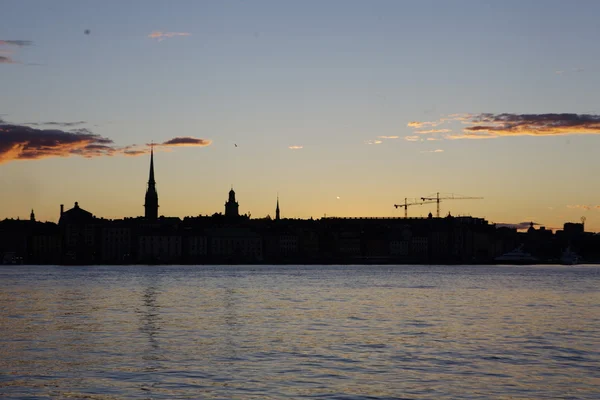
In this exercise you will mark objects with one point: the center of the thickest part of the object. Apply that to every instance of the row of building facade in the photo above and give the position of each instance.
(81, 238)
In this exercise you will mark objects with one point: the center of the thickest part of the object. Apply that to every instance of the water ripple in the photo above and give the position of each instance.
(265, 332)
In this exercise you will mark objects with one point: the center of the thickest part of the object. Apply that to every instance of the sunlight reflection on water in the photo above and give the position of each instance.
(300, 331)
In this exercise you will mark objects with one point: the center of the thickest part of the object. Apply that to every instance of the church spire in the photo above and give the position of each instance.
(151, 205)
(151, 180)
(277, 216)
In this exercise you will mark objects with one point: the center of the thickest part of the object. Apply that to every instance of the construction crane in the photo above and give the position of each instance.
(413, 203)
(437, 199)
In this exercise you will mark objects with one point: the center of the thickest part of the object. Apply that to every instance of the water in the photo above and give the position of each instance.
(272, 332)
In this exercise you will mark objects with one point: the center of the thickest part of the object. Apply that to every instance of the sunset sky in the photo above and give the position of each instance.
(341, 107)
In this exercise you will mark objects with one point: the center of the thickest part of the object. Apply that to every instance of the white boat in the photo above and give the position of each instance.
(569, 257)
(517, 256)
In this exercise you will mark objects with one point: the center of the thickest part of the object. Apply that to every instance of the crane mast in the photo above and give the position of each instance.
(412, 203)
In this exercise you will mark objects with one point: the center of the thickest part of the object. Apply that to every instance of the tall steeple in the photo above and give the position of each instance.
(151, 178)
(232, 206)
(277, 216)
(32, 216)
(151, 205)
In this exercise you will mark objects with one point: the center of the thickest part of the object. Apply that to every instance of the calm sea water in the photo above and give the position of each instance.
(273, 332)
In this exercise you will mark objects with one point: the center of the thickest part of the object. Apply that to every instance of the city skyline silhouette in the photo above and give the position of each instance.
(342, 109)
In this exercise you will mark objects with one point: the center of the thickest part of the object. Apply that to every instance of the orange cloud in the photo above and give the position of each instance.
(20, 142)
(163, 35)
(433, 151)
(584, 207)
(433, 131)
(417, 124)
(469, 136)
(387, 137)
(295, 147)
(412, 138)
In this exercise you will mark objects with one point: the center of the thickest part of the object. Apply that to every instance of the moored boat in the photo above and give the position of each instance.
(517, 256)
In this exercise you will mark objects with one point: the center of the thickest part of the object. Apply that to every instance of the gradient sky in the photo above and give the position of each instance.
(331, 77)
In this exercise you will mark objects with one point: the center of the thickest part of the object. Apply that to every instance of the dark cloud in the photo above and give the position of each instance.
(84, 131)
(135, 152)
(490, 125)
(533, 124)
(520, 225)
(19, 43)
(52, 123)
(7, 60)
(21, 142)
(186, 141)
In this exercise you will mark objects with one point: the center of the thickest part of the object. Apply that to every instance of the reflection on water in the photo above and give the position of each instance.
(297, 331)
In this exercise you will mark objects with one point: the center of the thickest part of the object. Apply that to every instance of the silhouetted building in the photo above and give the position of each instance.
(232, 206)
(277, 214)
(151, 204)
(116, 242)
(235, 244)
(32, 216)
(572, 229)
(79, 228)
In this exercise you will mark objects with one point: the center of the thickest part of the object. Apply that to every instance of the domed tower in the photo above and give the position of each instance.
(151, 204)
(232, 206)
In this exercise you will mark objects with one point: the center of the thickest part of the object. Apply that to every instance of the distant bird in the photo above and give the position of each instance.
(235, 145)
(87, 31)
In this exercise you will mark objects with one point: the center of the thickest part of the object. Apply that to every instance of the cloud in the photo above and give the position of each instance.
(163, 35)
(412, 138)
(584, 207)
(20, 142)
(295, 147)
(7, 60)
(431, 139)
(373, 142)
(426, 132)
(388, 137)
(19, 43)
(134, 152)
(520, 225)
(52, 123)
(417, 124)
(185, 141)
(5, 55)
(433, 151)
(470, 136)
(534, 124)
(565, 72)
